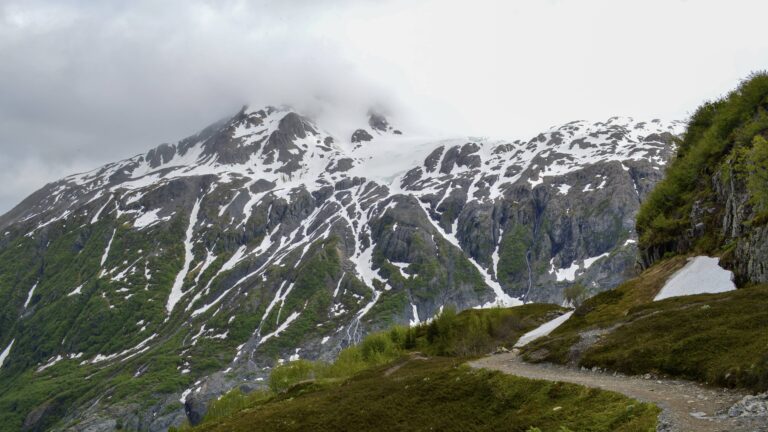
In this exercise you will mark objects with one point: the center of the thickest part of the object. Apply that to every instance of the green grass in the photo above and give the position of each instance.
(719, 339)
(439, 394)
(387, 383)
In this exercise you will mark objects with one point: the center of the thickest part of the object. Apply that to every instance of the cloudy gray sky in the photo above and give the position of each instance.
(84, 82)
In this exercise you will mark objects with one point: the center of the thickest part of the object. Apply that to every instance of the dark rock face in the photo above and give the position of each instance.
(160, 155)
(261, 240)
(378, 122)
(461, 157)
(195, 410)
(361, 135)
(731, 211)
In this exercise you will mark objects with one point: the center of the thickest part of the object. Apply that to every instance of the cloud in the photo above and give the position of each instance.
(85, 83)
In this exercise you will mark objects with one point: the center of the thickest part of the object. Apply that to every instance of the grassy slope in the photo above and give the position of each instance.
(715, 338)
(441, 394)
(379, 385)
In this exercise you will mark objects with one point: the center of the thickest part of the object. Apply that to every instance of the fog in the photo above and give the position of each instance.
(84, 83)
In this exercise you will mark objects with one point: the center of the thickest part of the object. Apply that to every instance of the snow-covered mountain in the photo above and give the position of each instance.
(173, 276)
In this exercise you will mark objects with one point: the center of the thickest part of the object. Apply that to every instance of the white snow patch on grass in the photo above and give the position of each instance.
(6, 351)
(280, 329)
(542, 330)
(702, 275)
(106, 251)
(76, 291)
(138, 349)
(29, 295)
(50, 363)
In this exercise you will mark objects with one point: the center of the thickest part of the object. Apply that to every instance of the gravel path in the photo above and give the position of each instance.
(686, 406)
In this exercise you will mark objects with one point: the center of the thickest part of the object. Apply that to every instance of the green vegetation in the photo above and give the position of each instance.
(750, 165)
(439, 394)
(471, 333)
(436, 265)
(723, 137)
(513, 246)
(719, 339)
(575, 294)
(414, 392)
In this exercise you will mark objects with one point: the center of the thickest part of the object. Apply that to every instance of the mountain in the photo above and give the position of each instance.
(133, 294)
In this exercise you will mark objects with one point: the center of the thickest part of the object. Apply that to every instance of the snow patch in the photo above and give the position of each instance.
(76, 291)
(176, 292)
(29, 295)
(280, 329)
(563, 189)
(564, 274)
(542, 330)
(702, 275)
(6, 351)
(148, 218)
(106, 251)
(589, 261)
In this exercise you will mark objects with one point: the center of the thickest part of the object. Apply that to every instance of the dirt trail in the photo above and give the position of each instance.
(686, 406)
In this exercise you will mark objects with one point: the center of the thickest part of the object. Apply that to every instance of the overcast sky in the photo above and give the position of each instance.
(88, 82)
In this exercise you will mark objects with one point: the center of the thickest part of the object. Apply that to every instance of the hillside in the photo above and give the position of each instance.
(417, 379)
(157, 283)
(711, 202)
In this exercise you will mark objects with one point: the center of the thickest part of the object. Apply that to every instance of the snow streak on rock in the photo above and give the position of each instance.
(178, 283)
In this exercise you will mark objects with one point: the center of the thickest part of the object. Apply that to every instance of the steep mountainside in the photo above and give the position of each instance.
(173, 276)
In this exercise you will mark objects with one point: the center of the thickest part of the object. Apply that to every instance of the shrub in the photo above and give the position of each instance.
(289, 374)
(575, 294)
(378, 348)
(757, 178)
